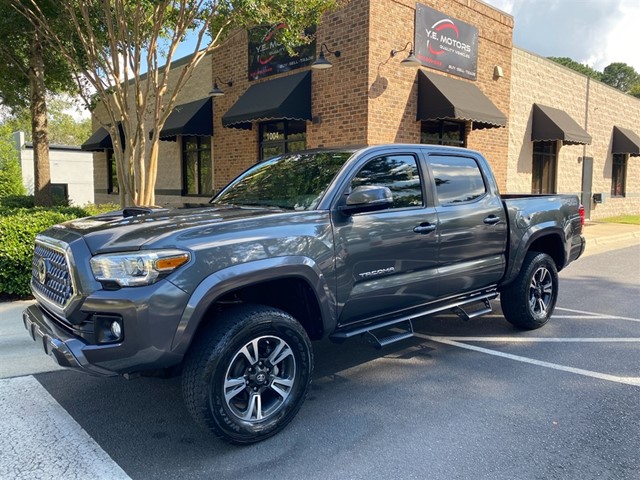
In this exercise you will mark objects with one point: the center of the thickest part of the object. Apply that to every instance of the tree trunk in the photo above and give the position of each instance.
(39, 131)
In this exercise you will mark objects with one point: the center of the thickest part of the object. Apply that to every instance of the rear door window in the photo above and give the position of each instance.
(457, 179)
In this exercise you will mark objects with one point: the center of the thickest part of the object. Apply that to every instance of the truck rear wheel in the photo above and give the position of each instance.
(530, 299)
(247, 375)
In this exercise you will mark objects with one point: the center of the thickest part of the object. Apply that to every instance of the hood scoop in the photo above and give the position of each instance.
(136, 211)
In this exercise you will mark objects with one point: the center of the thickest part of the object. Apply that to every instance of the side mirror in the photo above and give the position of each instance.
(367, 198)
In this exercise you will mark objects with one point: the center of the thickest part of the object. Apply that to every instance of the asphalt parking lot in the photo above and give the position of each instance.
(461, 400)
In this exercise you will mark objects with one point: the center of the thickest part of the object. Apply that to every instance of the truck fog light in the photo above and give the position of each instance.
(116, 330)
(109, 328)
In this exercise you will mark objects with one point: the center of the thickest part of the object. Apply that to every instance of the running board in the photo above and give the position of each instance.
(343, 335)
(464, 315)
(379, 340)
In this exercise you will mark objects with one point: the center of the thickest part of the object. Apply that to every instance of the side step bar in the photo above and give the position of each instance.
(396, 323)
(379, 340)
(464, 315)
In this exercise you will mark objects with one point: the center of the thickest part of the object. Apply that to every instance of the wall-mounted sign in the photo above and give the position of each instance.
(269, 57)
(445, 43)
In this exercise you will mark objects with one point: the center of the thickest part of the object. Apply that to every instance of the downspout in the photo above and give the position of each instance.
(584, 147)
(586, 117)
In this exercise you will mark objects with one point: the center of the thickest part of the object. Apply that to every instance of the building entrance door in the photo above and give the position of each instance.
(587, 181)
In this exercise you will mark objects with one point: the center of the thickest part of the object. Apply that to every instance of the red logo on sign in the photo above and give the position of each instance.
(267, 38)
(445, 24)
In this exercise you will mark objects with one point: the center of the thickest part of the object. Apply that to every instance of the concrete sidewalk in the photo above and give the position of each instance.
(602, 237)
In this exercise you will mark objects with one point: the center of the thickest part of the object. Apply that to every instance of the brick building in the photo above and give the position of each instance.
(542, 127)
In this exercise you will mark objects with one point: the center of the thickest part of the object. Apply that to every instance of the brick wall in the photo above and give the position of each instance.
(393, 90)
(538, 80)
(339, 100)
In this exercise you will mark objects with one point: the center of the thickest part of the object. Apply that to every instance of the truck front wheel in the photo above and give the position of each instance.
(530, 299)
(248, 374)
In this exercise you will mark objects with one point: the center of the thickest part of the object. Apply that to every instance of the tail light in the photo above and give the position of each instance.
(581, 212)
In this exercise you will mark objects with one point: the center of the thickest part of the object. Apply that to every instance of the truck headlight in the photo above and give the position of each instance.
(137, 268)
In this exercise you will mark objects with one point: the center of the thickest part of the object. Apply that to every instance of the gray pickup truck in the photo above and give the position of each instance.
(334, 243)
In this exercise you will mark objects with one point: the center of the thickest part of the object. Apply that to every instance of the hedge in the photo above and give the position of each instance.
(18, 229)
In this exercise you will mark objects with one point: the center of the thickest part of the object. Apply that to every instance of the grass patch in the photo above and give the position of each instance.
(630, 219)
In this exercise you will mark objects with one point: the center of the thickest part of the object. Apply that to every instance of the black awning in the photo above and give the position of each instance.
(625, 141)
(286, 98)
(193, 118)
(551, 124)
(100, 140)
(444, 98)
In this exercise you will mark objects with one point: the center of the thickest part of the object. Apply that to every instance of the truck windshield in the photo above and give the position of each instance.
(291, 182)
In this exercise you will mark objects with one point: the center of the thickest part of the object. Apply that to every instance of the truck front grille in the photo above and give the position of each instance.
(50, 276)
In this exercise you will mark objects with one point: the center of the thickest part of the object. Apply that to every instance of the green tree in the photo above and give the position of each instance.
(578, 67)
(635, 90)
(10, 171)
(129, 46)
(621, 76)
(24, 59)
(62, 127)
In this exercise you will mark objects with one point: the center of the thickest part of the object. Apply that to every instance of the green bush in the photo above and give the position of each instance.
(18, 229)
(10, 173)
(17, 201)
(93, 209)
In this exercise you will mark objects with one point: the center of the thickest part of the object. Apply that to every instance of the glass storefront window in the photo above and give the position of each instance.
(543, 179)
(443, 132)
(282, 136)
(196, 166)
(112, 173)
(619, 175)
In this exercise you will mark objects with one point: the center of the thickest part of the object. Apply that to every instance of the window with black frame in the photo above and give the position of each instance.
(619, 175)
(444, 132)
(282, 136)
(112, 173)
(197, 176)
(545, 159)
(60, 193)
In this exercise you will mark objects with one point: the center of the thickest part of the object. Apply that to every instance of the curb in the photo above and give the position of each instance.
(613, 238)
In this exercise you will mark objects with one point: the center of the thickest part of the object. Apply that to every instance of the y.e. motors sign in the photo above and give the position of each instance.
(445, 43)
(267, 56)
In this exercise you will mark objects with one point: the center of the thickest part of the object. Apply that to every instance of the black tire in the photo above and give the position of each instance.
(530, 299)
(265, 389)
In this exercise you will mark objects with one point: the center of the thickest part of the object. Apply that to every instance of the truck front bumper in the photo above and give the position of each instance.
(149, 317)
(66, 350)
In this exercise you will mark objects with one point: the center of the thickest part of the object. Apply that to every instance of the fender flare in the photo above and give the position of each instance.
(532, 235)
(243, 275)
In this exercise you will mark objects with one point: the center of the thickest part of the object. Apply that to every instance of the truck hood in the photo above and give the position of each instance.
(133, 228)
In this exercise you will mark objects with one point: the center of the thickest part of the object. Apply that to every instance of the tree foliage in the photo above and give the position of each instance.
(10, 171)
(63, 128)
(578, 67)
(124, 55)
(23, 63)
(618, 75)
(16, 34)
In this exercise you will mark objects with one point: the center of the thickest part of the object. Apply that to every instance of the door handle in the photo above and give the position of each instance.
(424, 228)
(492, 220)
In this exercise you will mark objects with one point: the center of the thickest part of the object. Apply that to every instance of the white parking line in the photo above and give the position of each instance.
(635, 381)
(598, 315)
(40, 440)
(541, 339)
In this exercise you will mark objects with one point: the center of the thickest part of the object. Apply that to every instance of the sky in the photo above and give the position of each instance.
(592, 32)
